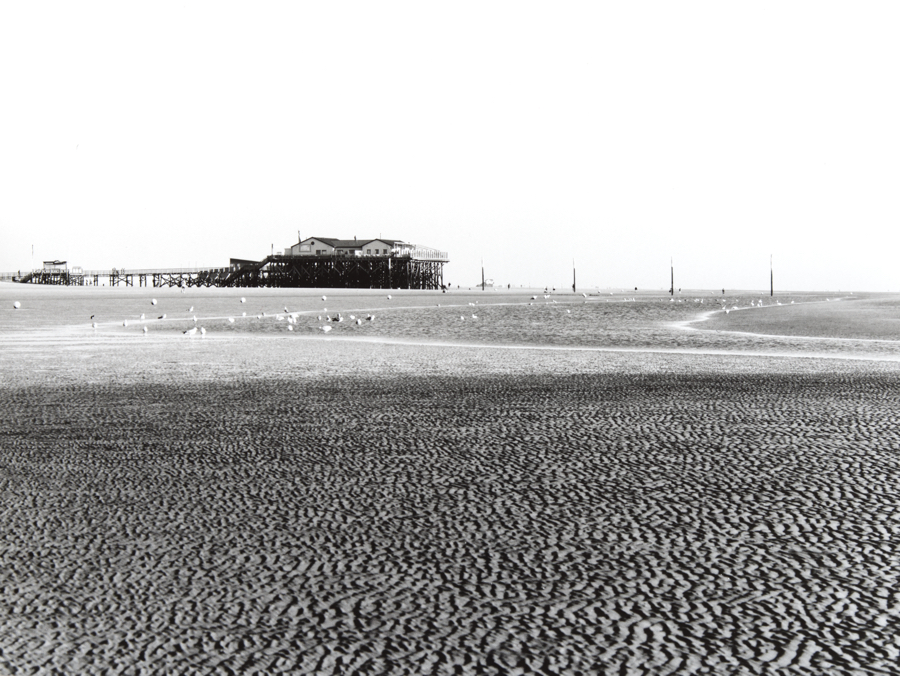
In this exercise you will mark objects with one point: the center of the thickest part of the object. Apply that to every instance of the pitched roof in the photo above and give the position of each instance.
(351, 243)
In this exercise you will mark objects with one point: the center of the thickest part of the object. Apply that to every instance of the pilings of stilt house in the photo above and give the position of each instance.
(339, 272)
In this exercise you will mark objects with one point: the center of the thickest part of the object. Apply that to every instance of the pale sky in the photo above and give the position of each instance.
(623, 134)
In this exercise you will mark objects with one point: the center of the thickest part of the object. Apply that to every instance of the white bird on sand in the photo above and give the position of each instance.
(358, 322)
(202, 331)
(142, 315)
(326, 329)
(389, 296)
(125, 323)
(190, 332)
(370, 318)
(584, 294)
(231, 320)
(191, 308)
(93, 325)
(243, 314)
(194, 318)
(290, 328)
(324, 297)
(145, 329)
(243, 300)
(162, 316)
(152, 301)
(17, 305)
(461, 317)
(474, 316)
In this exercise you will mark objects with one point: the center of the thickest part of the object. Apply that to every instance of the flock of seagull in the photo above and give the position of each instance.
(337, 318)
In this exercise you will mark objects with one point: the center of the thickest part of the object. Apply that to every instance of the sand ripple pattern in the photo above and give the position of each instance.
(628, 524)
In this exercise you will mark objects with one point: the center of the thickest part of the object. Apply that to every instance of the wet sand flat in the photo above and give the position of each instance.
(251, 503)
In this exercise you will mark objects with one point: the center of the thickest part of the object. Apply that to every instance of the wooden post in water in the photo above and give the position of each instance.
(771, 278)
(482, 274)
(573, 276)
(671, 277)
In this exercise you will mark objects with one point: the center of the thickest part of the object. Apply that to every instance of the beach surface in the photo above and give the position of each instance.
(470, 482)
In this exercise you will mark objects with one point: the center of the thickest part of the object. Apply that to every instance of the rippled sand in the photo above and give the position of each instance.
(646, 498)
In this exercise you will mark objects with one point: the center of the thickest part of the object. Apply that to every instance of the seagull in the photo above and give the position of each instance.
(92, 316)
(142, 315)
(194, 318)
(290, 328)
(125, 323)
(152, 301)
(231, 320)
(94, 325)
(17, 305)
(370, 318)
(162, 316)
(324, 297)
(243, 300)
(358, 322)
(389, 296)
(202, 331)
(191, 308)
(190, 332)
(326, 329)
(474, 316)
(145, 330)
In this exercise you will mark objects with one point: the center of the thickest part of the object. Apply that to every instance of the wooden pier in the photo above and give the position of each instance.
(405, 271)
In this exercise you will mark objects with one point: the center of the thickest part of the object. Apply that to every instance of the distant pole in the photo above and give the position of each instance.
(573, 276)
(771, 277)
(672, 277)
(482, 274)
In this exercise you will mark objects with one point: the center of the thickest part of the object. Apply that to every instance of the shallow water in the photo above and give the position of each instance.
(810, 324)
